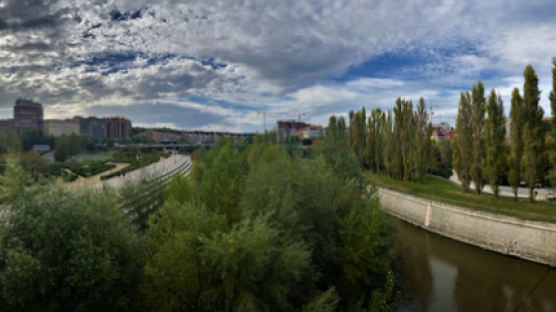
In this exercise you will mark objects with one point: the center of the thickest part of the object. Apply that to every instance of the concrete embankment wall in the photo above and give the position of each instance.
(530, 240)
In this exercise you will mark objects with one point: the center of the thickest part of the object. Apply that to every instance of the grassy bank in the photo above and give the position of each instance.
(441, 190)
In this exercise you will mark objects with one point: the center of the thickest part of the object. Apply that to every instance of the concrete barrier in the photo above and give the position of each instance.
(530, 240)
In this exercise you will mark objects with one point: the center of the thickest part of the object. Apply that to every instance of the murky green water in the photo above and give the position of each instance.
(444, 275)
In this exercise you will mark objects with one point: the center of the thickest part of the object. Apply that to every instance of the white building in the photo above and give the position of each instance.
(57, 127)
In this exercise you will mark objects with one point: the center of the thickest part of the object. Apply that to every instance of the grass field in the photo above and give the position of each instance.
(442, 190)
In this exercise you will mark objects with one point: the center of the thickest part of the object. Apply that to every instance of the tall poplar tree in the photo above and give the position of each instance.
(422, 141)
(552, 98)
(533, 136)
(462, 156)
(408, 140)
(357, 134)
(374, 140)
(389, 148)
(397, 155)
(495, 131)
(516, 143)
(477, 127)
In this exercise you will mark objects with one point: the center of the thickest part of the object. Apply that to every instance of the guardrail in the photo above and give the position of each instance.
(149, 195)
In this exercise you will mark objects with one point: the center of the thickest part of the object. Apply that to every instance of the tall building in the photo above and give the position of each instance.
(28, 115)
(287, 128)
(91, 127)
(118, 128)
(57, 127)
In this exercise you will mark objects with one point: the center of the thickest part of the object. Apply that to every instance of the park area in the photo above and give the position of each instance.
(439, 189)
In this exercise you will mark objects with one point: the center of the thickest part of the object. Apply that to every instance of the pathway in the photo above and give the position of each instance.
(506, 191)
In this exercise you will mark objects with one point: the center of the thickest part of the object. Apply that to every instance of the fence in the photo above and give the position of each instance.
(146, 195)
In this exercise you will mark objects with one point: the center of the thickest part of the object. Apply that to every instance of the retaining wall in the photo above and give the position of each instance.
(530, 240)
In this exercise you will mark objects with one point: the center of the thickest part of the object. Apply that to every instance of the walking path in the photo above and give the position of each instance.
(159, 168)
(82, 182)
(506, 191)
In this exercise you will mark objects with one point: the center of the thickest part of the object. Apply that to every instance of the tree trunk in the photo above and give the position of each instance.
(531, 197)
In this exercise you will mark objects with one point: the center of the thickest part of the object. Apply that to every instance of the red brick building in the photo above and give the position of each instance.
(28, 115)
(117, 128)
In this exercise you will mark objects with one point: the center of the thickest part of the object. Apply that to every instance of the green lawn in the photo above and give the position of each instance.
(442, 190)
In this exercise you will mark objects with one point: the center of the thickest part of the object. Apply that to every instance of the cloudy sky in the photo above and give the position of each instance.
(212, 65)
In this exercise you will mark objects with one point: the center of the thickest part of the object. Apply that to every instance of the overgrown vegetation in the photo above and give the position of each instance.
(258, 228)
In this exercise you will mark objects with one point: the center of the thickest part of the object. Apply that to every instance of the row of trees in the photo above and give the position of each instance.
(397, 142)
(258, 228)
(481, 153)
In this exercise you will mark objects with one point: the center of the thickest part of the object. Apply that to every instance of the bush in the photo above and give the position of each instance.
(285, 234)
(66, 252)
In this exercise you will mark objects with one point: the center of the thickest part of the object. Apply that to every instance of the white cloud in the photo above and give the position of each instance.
(279, 55)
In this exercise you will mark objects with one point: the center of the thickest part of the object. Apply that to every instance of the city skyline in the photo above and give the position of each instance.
(214, 66)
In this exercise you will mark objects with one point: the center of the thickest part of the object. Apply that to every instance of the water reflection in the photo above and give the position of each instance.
(440, 274)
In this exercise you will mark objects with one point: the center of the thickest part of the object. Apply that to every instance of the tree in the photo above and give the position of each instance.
(357, 134)
(222, 182)
(375, 140)
(67, 252)
(495, 131)
(389, 148)
(61, 153)
(552, 98)
(422, 141)
(461, 153)
(33, 162)
(337, 152)
(516, 140)
(9, 142)
(533, 133)
(14, 183)
(477, 130)
(32, 137)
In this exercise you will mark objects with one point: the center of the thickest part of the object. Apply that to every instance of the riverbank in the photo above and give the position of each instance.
(443, 191)
(530, 240)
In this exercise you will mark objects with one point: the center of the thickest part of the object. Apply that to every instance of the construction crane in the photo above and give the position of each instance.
(297, 115)
(264, 118)
(431, 111)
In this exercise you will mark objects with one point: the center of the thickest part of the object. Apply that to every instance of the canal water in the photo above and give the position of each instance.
(440, 274)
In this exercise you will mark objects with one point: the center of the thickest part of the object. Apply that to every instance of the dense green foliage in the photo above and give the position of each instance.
(478, 151)
(399, 143)
(66, 252)
(495, 131)
(516, 139)
(262, 230)
(67, 146)
(532, 160)
(259, 228)
(30, 138)
(9, 142)
(529, 158)
(552, 98)
(462, 155)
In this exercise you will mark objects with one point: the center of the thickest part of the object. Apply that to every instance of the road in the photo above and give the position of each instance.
(156, 169)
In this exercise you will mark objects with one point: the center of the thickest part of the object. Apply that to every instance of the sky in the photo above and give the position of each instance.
(216, 65)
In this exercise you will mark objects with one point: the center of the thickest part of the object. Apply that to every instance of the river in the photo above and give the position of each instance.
(440, 274)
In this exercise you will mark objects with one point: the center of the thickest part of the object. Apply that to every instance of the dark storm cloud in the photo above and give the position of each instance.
(21, 15)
